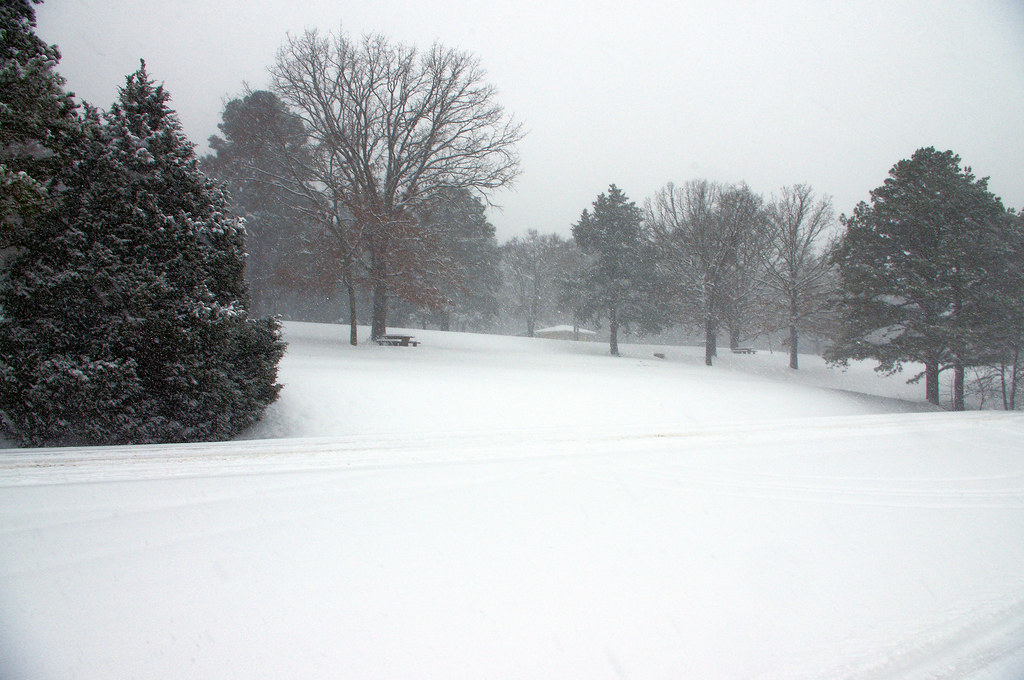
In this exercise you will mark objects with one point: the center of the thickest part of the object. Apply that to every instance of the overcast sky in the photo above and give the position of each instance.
(639, 94)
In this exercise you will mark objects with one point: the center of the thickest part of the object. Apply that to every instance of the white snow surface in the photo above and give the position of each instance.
(489, 507)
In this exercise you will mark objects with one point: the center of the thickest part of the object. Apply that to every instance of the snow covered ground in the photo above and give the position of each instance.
(486, 507)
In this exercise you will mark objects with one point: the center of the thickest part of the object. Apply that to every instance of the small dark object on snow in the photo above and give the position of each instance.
(398, 341)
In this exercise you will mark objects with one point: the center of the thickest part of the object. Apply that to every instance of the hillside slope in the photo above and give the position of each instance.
(458, 381)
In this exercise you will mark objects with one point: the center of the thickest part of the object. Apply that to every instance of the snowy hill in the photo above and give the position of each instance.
(485, 507)
(458, 381)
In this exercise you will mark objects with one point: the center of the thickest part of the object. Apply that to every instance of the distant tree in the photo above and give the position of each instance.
(916, 271)
(123, 320)
(37, 119)
(796, 265)
(468, 261)
(611, 233)
(260, 136)
(699, 232)
(572, 285)
(389, 128)
(1008, 329)
(531, 272)
(304, 240)
(745, 312)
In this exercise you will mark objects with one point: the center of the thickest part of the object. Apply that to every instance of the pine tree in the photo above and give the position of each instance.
(916, 271)
(1005, 324)
(37, 119)
(255, 158)
(126, 320)
(611, 233)
(467, 273)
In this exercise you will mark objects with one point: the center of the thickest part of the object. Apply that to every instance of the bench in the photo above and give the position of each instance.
(398, 341)
(744, 350)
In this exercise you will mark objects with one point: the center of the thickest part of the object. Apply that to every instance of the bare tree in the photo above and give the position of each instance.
(699, 230)
(268, 156)
(797, 271)
(531, 273)
(743, 308)
(390, 128)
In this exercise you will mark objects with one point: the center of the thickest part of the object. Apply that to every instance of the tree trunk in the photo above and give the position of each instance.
(380, 297)
(1014, 379)
(958, 386)
(931, 382)
(532, 312)
(1002, 383)
(613, 322)
(353, 333)
(734, 338)
(794, 340)
(710, 341)
(446, 320)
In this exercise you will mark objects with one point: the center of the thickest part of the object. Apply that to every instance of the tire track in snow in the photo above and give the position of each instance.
(727, 482)
(319, 496)
(986, 637)
(243, 457)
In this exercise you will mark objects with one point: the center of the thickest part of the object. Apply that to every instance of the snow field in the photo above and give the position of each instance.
(512, 508)
(456, 382)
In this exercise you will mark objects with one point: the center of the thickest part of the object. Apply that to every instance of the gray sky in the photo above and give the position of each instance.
(639, 94)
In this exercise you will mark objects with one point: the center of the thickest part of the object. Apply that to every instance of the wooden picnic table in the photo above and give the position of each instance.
(398, 340)
(744, 350)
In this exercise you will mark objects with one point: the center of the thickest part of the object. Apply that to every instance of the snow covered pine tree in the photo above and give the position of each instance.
(611, 233)
(920, 271)
(36, 118)
(124, 318)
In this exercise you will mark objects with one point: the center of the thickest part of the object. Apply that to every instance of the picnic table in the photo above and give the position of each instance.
(744, 350)
(398, 341)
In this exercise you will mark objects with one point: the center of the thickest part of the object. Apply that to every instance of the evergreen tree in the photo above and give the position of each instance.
(467, 273)
(1008, 318)
(125, 320)
(256, 158)
(916, 271)
(37, 119)
(613, 283)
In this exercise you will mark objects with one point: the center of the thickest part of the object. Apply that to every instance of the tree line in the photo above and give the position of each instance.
(928, 272)
(351, 153)
(357, 185)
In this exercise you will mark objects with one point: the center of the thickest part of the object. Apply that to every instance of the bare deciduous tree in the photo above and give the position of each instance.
(532, 268)
(743, 308)
(699, 230)
(797, 272)
(389, 128)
